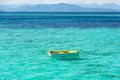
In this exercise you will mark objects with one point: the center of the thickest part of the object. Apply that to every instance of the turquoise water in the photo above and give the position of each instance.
(24, 44)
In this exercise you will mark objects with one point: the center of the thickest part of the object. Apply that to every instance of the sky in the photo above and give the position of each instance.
(19, 2)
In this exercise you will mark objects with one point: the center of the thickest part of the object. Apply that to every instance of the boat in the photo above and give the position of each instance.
(64, 54)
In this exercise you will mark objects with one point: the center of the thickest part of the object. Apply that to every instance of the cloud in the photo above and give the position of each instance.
(57, 1)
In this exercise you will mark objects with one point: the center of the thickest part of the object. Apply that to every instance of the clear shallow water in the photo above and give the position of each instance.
(25, 41)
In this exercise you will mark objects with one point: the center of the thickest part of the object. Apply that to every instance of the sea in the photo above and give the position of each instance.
(27, 37)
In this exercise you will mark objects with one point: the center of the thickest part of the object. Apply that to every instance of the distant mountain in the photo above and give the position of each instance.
(112, 6)
(62, 7)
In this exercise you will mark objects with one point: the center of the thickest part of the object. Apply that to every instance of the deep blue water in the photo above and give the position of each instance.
(60, 20)
(26, 38)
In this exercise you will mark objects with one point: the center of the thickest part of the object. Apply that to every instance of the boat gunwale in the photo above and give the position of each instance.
(66, 52)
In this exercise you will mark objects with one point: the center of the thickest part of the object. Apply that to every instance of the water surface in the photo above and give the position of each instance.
(25, 39)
